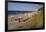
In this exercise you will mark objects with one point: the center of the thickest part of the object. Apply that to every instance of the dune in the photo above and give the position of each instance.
(25, 21)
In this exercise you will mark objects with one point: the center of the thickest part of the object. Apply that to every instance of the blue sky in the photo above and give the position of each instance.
(23, 7)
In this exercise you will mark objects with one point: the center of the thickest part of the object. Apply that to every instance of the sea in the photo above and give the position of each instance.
(18, 12)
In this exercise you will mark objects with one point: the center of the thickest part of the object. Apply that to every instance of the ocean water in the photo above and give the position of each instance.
(18, 12)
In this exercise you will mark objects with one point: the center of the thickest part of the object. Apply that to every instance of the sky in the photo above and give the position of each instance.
(22, 7)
